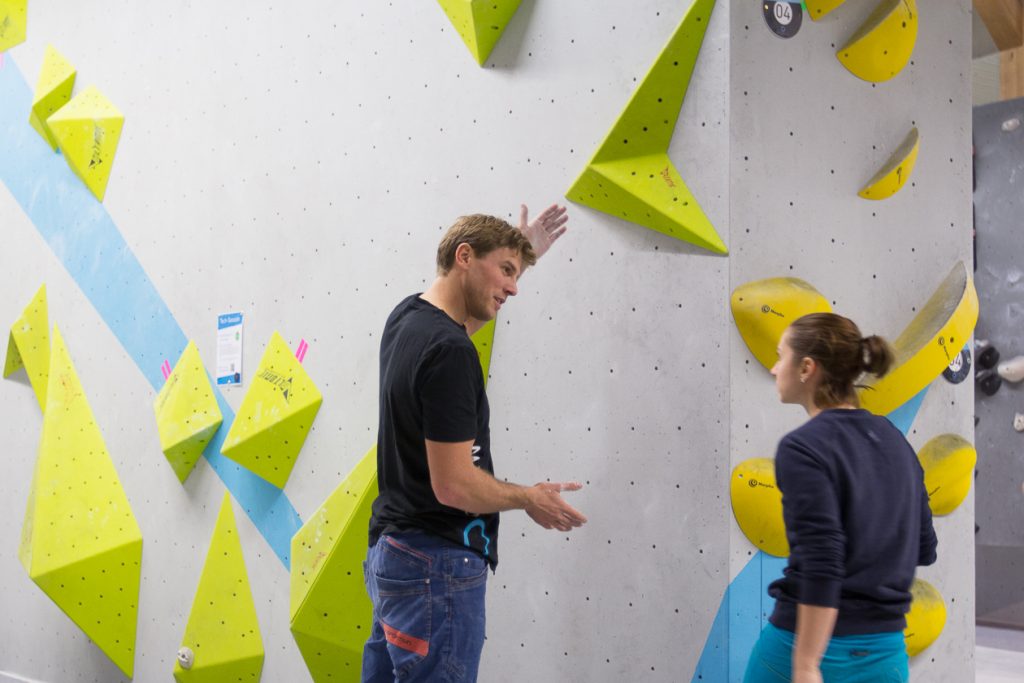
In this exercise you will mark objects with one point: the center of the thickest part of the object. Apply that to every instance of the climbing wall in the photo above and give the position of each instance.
(299, 164)
(999, 145)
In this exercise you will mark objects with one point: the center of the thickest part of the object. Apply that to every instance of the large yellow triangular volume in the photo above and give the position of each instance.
(80, 542)
(928, 344)
(483, 340)
(187, 415)
(757, 505)
(330, 611)
(275, 415)
(817, 9)
(480, 23)
(53, 90)
(87, 130)
(13, 23)
(29, 346)
(926, 618)
(763, 309)
(882, 46)
(630, 175)
(893, 176)
(223, 632)
(948, 462)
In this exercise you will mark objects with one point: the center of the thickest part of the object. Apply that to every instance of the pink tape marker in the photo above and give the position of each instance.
(300, 352)
(166, 369)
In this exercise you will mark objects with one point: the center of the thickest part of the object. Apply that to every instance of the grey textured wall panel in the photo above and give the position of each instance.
(998, 207)
(805, 136)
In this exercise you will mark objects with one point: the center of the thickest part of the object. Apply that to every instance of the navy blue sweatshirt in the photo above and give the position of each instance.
(857, 521)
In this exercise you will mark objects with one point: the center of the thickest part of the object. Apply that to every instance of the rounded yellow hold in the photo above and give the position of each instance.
(926, 618)
(763, 309)
(891, 178)
(948, 462)
(816, 9)
(757, 505)
(882, 46)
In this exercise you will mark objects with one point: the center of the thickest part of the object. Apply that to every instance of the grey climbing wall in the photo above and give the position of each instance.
(998, 207)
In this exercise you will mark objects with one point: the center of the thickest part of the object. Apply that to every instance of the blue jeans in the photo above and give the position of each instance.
(875, 658)
(428, 610)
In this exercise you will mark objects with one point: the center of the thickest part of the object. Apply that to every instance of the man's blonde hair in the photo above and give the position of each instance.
(483, 234)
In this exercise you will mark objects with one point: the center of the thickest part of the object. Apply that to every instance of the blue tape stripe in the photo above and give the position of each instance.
(84, 238)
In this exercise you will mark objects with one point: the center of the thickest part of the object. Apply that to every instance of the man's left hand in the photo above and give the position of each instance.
(543, 230)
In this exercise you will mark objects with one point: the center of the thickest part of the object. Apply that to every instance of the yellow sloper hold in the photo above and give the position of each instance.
(882, 46)
(13, 23)
(28, 346)
(630, 175)
(275, 415)
(926, 618)
(480, 23)
(817, 9)
(53, 90)
(893, 176)
(948, 462)
(87, 130)
(80, 542)
(187, 415)
(330, 611)
(928, 344)
(223, 632)
(757, 505)
(763, 309)
(483, 340)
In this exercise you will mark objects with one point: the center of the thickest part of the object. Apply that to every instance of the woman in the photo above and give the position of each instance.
(856, 513)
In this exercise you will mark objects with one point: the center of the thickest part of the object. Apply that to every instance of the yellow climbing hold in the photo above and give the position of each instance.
(480, 23)
(80, 542)
(817, 9)
(483, 340)
(630, 175)
(53, 90)
(882, 46)
(187, 415)
(893, 176)
(948, 462)
(223, 632)
(275, 415)
(928, 344)
(28, 346)
(763, 309)
(330, 611)
(87, 130)
(13, 23)
(757, 505)
(926, 618)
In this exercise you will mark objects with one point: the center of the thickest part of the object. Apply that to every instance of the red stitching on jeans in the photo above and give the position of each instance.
(426, 558)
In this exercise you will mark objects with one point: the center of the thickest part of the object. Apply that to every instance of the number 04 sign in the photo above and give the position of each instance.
(783, 18)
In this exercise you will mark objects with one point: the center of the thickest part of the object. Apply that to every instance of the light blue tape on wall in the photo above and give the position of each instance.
(746, 605)
(84, 238)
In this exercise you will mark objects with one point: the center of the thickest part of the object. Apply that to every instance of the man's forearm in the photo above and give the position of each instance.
(480, 493)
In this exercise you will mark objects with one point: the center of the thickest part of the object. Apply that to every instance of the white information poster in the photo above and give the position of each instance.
(229, 348)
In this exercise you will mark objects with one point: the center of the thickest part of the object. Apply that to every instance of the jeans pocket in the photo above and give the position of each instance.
(469, 570)
(404, 615)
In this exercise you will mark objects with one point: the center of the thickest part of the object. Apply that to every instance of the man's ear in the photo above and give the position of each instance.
(463, 254)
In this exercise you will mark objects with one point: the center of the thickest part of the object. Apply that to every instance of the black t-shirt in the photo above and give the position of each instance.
(431, 387)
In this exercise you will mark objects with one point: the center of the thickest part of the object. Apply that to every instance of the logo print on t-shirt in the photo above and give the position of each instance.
(477, 524)
(476, 449)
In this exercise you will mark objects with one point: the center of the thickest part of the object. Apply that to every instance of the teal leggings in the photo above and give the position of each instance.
(875, 658)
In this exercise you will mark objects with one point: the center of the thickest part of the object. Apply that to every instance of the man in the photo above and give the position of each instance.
(434, 530)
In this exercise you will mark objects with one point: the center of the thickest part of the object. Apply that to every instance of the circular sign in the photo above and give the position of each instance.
(783, 18)
(959, 367)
